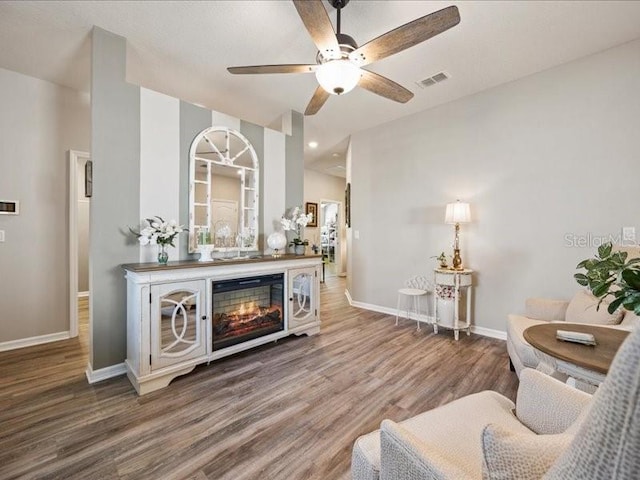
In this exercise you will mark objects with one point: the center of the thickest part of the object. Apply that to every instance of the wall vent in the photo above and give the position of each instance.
(437, 78)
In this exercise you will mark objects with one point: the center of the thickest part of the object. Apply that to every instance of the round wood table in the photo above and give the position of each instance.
(587, 363)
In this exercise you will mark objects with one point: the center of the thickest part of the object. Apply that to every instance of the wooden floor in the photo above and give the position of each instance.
(289, 410)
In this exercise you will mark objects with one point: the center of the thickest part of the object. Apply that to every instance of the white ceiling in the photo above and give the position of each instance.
(183, 49)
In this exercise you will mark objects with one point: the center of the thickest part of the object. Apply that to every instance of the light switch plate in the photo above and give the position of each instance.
(628, 235)
(1, 236)
(356, 234)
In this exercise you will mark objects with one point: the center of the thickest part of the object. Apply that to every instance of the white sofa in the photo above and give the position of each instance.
(581, 309)
(555, 432)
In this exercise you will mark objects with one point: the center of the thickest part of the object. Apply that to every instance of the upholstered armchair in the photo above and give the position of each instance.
(554, 431)
(581, 309)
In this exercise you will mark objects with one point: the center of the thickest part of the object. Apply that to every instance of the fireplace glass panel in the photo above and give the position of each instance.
(247, 308)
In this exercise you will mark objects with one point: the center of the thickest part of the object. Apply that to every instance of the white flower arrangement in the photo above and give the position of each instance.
(158, 232)
(296, 221)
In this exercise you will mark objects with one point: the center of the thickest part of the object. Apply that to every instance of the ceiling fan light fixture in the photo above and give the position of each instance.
(338, 77)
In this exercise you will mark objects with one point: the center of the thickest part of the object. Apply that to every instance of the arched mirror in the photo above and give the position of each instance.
(223, 191)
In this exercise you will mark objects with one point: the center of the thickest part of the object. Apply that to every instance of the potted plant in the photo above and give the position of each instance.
(296, 221)
(442, 259)
(610, 274)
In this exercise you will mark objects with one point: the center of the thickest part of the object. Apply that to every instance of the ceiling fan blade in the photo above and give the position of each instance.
(317, 101)
(406, 36)
(293, 68)
(384, 87)
(315, 18)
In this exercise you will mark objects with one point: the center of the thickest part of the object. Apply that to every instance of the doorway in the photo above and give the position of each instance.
(331, 236)
(79, 212)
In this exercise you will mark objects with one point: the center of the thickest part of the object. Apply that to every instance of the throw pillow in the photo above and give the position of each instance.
(583, 308)
(607, 444)
(545, 309)
(526, 456)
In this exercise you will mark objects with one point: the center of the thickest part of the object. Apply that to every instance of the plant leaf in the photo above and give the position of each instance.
(613, 306)
(582, 279)
(600, 289)
(632, 277)
(604, 250)
(582, 264)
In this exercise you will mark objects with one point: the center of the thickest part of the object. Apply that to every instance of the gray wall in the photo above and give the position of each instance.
(39, 122)
(547, 156)
(193, 120)
(115, 205)
(255, 135)
(295, 161)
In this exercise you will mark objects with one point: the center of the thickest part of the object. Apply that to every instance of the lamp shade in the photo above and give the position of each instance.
(338, 76)
(457, 212)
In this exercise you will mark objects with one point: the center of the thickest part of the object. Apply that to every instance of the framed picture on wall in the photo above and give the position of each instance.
(347, 205)
(313, 209)
(88, 178)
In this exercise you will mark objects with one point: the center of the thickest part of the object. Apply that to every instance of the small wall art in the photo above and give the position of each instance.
(313, 209)
(347, 205)
(88, 179)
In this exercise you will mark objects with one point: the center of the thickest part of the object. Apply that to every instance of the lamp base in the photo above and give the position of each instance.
(457, 260)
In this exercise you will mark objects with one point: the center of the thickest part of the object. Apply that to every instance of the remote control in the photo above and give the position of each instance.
(576, 337)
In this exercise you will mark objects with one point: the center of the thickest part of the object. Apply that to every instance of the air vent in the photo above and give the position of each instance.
(437, 78)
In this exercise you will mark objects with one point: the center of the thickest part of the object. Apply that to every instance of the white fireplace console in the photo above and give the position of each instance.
(170, 312)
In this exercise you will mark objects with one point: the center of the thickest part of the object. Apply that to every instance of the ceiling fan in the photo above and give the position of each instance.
(339, 61)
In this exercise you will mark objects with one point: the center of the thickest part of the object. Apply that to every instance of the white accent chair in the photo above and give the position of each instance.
(416, 287)
(554, 432)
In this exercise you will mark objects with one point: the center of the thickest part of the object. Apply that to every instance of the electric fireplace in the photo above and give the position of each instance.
(247, 308)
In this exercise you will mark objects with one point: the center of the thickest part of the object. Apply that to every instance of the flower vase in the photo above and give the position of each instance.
(300, 249)
(163, 256)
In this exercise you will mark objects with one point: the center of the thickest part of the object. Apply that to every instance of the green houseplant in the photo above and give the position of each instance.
(610, 274)
(442, 259)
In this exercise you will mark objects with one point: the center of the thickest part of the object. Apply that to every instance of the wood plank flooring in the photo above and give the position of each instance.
(289, 410)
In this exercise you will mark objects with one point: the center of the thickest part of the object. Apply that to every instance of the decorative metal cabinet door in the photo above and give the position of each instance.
(178, 319)
(302, 292)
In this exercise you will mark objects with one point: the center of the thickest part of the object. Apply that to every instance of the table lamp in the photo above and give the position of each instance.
(456, 214)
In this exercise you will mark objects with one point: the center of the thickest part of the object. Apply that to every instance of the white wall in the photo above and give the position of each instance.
(547, 156)
(39, 122)
(159, 166)
(319, 186)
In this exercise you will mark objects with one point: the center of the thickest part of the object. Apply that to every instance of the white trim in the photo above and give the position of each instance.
(73, 156)
(348, 295)
(105, 373)
(489, 332)
(341, 234)
(485, 332)
(83, 294)
(30, 341)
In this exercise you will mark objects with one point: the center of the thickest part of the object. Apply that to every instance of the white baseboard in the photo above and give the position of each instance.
(388, 310)
(30, 341)
(94, 376)
(489, 332)
(348, 295)
(83, 294)
(485, 332)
